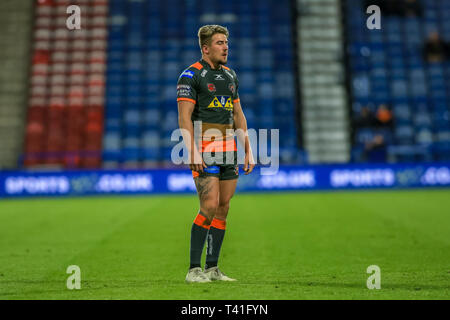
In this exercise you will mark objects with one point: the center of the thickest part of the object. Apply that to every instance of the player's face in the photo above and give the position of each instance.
(218, 50)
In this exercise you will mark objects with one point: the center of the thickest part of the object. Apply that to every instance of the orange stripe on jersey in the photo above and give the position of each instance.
(226, 68)
(186, 99)
(197, 66)
(218, 146)
(218, 224)
(201, 221)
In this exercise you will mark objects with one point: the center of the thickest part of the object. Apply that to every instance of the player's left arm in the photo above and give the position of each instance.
(240, 125)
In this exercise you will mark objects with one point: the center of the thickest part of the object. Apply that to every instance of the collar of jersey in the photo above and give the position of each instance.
(207, 66)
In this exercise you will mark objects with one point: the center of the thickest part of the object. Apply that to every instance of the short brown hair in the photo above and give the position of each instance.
(206, 33)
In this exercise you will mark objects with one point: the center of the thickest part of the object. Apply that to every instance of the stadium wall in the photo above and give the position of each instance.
(169, 181)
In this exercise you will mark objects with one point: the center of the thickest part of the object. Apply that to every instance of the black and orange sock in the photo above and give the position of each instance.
(199, 231)
(215, 238)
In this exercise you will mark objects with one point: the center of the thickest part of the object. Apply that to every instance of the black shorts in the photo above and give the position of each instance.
(223, 172)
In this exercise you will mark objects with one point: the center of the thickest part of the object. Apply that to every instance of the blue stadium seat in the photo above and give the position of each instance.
(364, 136)
(404, 134)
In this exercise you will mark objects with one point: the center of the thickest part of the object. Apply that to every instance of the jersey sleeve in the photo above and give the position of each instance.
(186, 87)
(236, 91)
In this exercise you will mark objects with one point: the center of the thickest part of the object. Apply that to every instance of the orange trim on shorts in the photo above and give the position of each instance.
(201, 221)
(219, 224)
(197, 66)
(187, 99)
(218, 146)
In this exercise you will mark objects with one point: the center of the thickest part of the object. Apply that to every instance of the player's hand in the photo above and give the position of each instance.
(195, 164)
(249, 163)
(198, 167)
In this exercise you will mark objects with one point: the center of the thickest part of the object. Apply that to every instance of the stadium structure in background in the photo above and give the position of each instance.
(360, 101)
(102, 97)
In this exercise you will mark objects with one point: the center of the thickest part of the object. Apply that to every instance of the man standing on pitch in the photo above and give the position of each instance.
(207, 93)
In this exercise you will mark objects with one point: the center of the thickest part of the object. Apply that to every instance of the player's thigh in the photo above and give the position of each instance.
(207, 190)
(227, 189)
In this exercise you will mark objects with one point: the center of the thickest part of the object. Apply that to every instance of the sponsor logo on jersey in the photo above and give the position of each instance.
(229, 74)
(218, 77)
(231, 87)
(187, 73)
(203, 74)
(211, 87)
(184, 90)
(221, 102)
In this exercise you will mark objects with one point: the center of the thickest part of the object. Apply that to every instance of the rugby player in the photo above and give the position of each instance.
(207, 91)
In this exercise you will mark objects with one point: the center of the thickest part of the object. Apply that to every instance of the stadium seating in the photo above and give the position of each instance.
(387, 67)
(149, 45)
(105, 95)
(65, 114)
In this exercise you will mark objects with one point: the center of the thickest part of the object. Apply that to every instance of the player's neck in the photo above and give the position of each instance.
(211, 64)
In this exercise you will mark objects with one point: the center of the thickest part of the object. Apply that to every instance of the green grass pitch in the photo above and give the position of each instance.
(279, 246)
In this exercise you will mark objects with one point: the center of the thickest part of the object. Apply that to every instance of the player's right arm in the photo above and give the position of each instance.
(185, 109)
(186, 98)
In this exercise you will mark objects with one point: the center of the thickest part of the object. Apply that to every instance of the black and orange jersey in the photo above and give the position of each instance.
(213, 92)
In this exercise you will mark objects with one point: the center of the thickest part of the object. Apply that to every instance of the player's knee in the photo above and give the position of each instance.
(224, 206)
(210, 208)
(222, 210)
